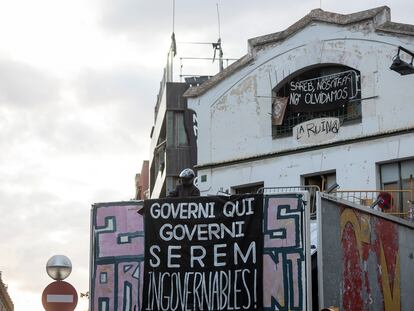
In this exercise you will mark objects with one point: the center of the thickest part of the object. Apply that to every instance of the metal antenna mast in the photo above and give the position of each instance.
(173, 17)
(218, 20)
(218, 45)
(172, 52)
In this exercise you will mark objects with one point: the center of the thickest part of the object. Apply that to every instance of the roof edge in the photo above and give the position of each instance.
(204, 87)
(381, 17)
(396, 28)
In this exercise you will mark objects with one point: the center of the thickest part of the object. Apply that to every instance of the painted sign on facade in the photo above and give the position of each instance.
(285, 265)
(117, 263)
(364, 270)
(323, 93)
(117, 257)
(316, 131)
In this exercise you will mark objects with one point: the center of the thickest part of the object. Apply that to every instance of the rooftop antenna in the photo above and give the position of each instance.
(218, 20)
(173, 50)
(217, 46)
(173, 17)
(173, 43)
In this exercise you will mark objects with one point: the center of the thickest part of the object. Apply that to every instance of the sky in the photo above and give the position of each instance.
(78, 85)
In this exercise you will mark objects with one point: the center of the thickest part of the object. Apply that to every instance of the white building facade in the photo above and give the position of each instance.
(316, 103)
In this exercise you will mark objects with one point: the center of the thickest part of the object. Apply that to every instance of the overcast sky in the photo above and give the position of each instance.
(78, 83)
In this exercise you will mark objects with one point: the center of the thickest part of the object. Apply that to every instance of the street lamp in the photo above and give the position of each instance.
(400, 66)
(59, 267)
(59, 295)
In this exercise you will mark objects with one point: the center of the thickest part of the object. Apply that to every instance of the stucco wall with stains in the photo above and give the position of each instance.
(354, 165)
(234, 116)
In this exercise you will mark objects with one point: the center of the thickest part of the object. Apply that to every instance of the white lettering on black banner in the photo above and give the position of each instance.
(323, 93)
(204, 253)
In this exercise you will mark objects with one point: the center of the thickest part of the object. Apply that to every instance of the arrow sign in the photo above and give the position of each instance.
(59, 296)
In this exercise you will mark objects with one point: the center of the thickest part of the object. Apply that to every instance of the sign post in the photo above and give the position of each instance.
(59, 296)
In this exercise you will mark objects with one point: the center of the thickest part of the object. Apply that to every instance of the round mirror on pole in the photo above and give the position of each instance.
(59, 267)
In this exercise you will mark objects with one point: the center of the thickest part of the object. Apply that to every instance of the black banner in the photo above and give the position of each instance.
(204, 253)
(323, 93)
(191, 128)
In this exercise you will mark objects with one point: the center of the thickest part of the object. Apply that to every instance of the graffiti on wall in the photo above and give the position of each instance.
(284, 258)
(118, 257)
(371, 264)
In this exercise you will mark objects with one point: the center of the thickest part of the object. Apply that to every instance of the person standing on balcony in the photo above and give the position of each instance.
(185, 187)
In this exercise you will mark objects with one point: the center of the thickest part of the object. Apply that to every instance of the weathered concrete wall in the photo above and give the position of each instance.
(117, 257)
(240, 104)
(354, 164)
(365, 258)
(234, 115)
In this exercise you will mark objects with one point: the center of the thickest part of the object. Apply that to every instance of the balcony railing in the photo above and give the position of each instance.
(312, 189)
(402, 204)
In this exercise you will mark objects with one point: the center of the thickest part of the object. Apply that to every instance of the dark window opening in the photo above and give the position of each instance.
(348, 110)
(323, 181)
(398, 179)
(251, 188)
(177, 135)
(180, 133)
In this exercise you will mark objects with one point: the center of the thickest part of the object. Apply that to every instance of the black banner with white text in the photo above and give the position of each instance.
(323, 93)
(204, 253)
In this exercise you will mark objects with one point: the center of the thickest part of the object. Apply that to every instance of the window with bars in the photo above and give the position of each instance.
(349, 110)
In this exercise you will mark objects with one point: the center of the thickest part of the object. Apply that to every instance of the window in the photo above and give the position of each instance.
(398, 176)
(180, 133)
(250, 188)
(324, 91)
(323, 181)
(176, 133)
(159, 158)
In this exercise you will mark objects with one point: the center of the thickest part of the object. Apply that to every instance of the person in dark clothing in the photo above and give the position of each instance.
(186, 187)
